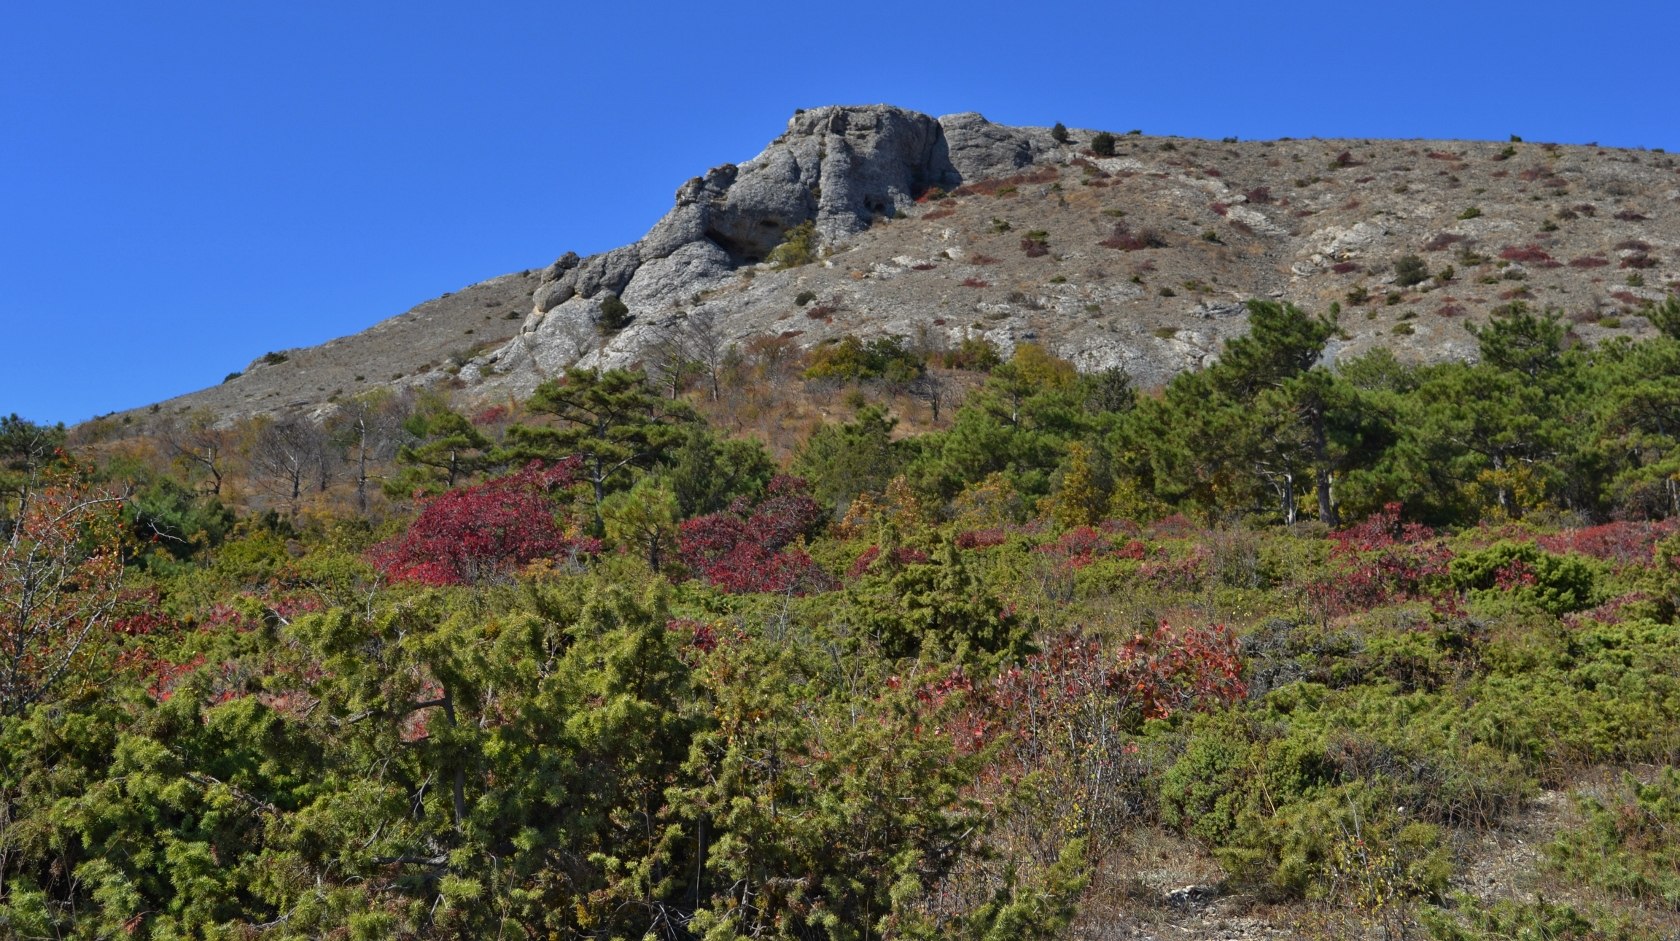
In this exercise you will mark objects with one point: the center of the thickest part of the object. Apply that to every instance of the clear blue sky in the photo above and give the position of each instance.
(185, 186)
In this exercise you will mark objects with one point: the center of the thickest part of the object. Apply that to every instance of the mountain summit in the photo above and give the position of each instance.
(1110, 249)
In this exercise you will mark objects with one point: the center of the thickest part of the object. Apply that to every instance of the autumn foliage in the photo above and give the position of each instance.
(486, 531)
(750, 548)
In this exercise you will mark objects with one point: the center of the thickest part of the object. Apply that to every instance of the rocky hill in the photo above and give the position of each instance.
(1109, 248)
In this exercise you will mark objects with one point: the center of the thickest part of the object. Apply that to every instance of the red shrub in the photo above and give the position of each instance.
(1528, 254)
(1125, 240)
(1588, 261)
(898, 558)
(485, 531)
(1380, 561)
(1078, 547)
(1625, 542)
(1007, 184)
(981, 538)
(749, 548)
(1150, 676)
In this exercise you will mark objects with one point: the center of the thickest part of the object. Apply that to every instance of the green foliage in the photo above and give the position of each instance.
(1059, 133)
(1410, 270)
(613, 316)
(167, 518)
(1555, 584)
(1627, 846)
(444, 449)
(1102, 144)
(936, 611)
(1538, 920)
(844, 460)
(1518, 340)
(1666, 316)
(256, 734)
(850, 359)
(613, 420)
(798, 247)
(706, 472)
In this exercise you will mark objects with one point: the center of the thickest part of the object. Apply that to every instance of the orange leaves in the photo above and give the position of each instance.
(60, 575)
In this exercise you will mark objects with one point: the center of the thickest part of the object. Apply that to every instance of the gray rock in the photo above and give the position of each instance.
(976, 148)
(553, 294)
(561, 265)
(693, 267)
(609, 271)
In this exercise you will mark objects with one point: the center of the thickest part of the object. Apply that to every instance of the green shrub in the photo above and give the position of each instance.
(1059, 133)
(851, 359)
(799, 246)
(804, 297)
(1473, 919)
(1628, 846)
(614, 316)
(1410, 270)
(1556, 584)
(1102, 144)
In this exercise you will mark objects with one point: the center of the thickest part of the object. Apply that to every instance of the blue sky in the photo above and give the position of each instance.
(185, 186)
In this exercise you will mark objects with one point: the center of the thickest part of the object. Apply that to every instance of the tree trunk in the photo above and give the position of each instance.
(1289, 499)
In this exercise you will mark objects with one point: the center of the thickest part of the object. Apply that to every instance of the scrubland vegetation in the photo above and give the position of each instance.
(978, 657)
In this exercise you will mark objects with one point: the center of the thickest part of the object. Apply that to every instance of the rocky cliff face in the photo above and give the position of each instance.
(843, 169)
(1139, 258)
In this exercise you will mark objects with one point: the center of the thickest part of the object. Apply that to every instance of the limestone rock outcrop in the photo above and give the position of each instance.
(843, 169)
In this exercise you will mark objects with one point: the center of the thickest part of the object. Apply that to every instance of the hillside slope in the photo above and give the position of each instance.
(941, 230)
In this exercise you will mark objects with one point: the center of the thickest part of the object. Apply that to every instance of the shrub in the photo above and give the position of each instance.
(1410, 270)
(1470, 213)
(1125, 240)
(749, 548)
(1530, 254)
(1556, 584)
(1102, 144)
(1628, 846)
(804, 297)
(1473, 919)
(484, 532)
(614, 314)
(851, 359)
(799, 246)
(1059, 133)
(973, 353)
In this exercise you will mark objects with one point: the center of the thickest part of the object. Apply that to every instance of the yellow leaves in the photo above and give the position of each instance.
(1508, 493)
(1080, 501)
